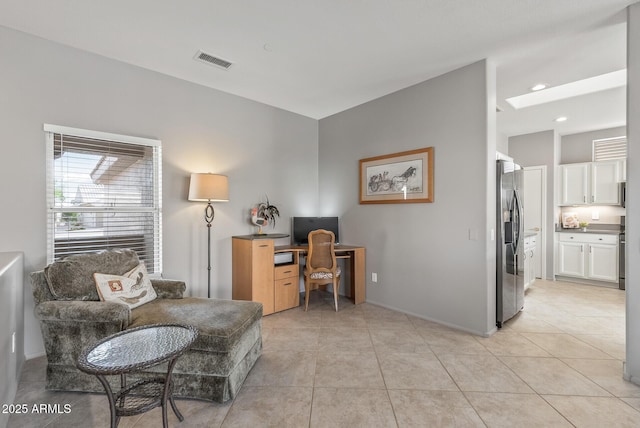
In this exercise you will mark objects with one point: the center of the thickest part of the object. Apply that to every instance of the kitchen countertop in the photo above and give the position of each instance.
(528, 233)
(604, 229)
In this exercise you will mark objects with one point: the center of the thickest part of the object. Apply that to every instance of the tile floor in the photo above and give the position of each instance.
(558, 363)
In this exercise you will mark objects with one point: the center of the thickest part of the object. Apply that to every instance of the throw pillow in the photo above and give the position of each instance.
(132, 289)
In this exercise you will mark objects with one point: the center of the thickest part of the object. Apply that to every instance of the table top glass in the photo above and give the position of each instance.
(137, 348)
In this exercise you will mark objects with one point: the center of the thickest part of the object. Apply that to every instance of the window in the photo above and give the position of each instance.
(103, 191)
(610, 149)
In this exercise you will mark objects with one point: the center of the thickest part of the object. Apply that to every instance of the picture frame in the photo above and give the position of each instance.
(397, 178)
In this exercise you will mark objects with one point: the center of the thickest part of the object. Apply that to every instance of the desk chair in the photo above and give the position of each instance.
(321, 268)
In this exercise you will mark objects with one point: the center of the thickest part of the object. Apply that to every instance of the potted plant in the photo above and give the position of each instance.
(263, 214)
(583, 225)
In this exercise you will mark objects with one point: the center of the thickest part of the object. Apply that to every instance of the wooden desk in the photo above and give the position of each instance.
(356, 255)
(277, 287)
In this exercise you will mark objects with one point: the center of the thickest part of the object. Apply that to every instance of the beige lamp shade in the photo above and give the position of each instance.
(209, 187)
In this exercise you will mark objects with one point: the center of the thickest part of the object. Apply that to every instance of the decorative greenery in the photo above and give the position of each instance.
(268, 211)
(584, 224)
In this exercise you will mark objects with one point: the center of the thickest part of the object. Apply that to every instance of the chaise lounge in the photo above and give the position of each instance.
(72, 317)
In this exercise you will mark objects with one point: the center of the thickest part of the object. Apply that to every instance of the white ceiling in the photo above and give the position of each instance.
(318, 58)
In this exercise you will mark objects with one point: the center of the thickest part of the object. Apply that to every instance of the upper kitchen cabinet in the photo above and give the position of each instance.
(591, 183)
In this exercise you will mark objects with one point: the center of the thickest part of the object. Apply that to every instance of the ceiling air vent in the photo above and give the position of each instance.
(213, 60)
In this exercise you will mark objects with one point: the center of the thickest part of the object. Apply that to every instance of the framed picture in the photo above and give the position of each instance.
(398, 178)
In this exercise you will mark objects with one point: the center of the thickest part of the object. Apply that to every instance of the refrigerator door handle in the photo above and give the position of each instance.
(520, 224)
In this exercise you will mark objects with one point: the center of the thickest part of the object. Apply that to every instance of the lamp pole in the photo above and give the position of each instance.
(208, 188)
(209, 213)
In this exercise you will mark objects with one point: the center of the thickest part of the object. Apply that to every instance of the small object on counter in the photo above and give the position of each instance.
(583, 225)
(570, 221)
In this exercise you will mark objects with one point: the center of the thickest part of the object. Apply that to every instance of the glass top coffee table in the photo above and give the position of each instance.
(133, 350)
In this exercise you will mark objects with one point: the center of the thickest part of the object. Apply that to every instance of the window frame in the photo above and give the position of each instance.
(156, 208)
(613, 140)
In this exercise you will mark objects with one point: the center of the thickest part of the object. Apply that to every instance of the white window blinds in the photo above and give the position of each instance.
(610, 149)
(103, 192)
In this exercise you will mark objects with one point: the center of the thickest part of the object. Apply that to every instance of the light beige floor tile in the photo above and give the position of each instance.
(524, 322)
(196, 413)
(633, 402)
(611, 345)
(515, 410)
(34, 370)
(344, 318)
(382, 318)
(513, 344)
(390, 341)
(84, 412)
(447, 341)
(433, 409)
(34, 394)
(565, 346)
(270, 407)
(415, 371)
(283, 368)
(592, 325)
(353, 408)
(552, 376)
(607, 374)
(596, 412)
(295, 318)
(348, 370)
(292, 339)
(334, 339)
(483, 373)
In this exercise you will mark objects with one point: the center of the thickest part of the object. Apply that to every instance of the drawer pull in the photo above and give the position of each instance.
(287, 271)
(263, 245)
(287, 283)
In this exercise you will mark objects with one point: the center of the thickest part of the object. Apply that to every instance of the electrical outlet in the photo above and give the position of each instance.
(374, 277)
(595, 215)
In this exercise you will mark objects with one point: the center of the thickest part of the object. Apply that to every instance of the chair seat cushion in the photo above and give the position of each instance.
(324, 275)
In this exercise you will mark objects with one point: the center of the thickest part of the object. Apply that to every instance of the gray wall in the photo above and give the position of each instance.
(632, 367)
(579, 147)
(262, 149)
(425, 261)
(533, 150)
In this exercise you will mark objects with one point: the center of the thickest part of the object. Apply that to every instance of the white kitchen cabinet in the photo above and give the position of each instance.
(575, 183)
(529, 261)
(591, 183)
(571, 259)
(605, 179)
(623, 170)
(603, 262)
(588, 256)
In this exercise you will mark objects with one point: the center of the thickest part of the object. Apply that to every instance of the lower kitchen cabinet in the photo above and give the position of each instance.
(529, 260)
(588, 256)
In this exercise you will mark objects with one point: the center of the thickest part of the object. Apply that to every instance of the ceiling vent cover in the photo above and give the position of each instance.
(213, 60)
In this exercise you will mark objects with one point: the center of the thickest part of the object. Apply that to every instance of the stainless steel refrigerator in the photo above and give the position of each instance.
(509, 241)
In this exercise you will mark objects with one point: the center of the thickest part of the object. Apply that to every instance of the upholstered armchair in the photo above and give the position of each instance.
(72, 317)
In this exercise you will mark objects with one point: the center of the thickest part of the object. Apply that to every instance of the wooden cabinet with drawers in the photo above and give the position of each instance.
(257, 278)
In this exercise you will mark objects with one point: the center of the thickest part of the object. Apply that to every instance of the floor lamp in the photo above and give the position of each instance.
(209, 188)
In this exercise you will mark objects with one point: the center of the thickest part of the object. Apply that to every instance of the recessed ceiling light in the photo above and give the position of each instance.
(538, 87)
(561, 119)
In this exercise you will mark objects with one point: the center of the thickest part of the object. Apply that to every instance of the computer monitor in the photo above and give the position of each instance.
(301, 227)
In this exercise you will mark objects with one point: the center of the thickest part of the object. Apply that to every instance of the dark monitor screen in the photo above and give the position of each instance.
(303, 225)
